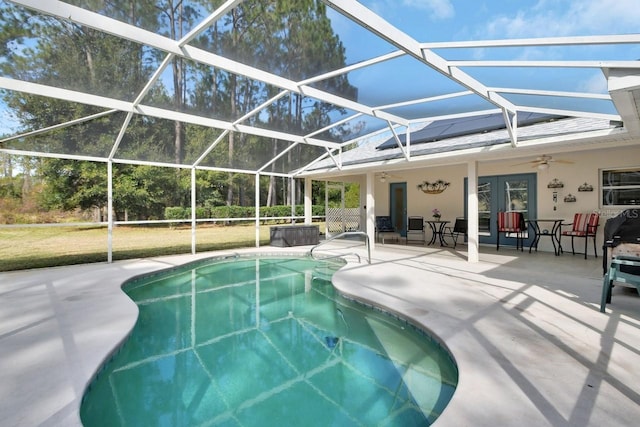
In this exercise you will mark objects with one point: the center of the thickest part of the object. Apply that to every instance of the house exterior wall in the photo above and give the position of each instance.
(586, 167)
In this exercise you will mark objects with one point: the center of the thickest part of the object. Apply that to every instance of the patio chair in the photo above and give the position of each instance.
(511, 223)
(415, 228)
(624, 269)
(459, 229)
(621, 257)
(584, 226)
(385, 229)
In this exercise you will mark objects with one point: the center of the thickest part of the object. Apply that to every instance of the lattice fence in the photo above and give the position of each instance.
(340, 220)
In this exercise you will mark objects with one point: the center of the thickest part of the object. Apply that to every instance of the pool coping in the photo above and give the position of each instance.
(525, 331)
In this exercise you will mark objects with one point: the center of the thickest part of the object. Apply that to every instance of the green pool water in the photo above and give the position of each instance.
(265, 342)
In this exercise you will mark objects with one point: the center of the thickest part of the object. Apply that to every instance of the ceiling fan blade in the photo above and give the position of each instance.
(543, 160)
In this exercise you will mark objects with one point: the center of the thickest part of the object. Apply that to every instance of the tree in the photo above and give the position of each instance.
(292, 38)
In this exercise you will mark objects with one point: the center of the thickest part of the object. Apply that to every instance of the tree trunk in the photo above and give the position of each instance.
(270, 192)
(176, 30)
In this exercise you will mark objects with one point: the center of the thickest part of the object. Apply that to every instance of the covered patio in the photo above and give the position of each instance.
(525, 330)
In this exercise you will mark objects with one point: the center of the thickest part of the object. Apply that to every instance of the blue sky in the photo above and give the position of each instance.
(448, 20)
(431, 20)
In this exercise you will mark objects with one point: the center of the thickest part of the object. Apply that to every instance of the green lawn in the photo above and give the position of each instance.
(24, 248)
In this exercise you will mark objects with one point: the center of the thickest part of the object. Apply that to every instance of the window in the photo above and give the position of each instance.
(620, 187)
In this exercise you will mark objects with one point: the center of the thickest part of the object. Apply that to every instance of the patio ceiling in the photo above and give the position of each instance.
(452, 83)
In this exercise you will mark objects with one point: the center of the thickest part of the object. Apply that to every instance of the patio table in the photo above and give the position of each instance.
(554, 233)
(437, 231)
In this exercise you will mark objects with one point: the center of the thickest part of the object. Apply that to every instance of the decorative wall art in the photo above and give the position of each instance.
(435, 187)
(585, 187)
(555, 183)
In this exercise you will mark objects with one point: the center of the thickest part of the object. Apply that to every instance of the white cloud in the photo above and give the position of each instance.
(562, 18)
(597, 83)
(437, 9)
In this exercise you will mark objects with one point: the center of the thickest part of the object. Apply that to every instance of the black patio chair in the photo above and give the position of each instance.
(415, 227)
(459, 228)
(385, 229)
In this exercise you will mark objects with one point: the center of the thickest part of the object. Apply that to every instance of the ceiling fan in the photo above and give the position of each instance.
(543, 162)
(384, 176)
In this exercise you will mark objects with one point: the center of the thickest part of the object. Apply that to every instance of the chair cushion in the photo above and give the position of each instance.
(510, 221)
(574, 233)
(415, 223)
(383, 223)
(583, 224)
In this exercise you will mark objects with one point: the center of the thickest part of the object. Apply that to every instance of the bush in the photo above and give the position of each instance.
(182, 213)
(176, 212)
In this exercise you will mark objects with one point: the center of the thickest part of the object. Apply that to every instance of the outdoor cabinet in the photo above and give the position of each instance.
(294, 235)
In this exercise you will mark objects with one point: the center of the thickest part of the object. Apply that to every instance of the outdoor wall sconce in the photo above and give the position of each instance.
(555, 183)
(585, 187)
(436, 187)
(569, 198)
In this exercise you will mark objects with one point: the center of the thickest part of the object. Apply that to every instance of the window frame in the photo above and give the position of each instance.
(606, 188)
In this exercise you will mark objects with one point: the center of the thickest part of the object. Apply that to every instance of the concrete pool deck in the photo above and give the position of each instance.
(525, 329)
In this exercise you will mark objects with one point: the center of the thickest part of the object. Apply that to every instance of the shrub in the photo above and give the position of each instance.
(182, 213)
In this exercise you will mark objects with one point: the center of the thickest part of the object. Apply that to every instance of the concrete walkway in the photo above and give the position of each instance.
(525, 329)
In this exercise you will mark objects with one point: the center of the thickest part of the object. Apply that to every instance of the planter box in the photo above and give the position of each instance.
(294, 235)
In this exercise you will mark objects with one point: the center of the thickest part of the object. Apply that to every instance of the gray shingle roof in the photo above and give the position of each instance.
(367, 152)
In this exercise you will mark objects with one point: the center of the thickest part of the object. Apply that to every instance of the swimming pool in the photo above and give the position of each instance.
(261, 341)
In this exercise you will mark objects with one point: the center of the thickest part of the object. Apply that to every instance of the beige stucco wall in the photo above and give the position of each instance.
(586, 167)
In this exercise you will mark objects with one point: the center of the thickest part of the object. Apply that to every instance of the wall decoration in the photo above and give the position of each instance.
(585, 187)
(435, 187)
(555, 183)
(569, 198)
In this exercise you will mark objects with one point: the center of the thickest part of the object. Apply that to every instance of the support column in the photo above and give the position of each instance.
(257, 210)
(370, 211)
(292, 186)
(473, 248)
(109, 211)
(193, 211)
(308, 201)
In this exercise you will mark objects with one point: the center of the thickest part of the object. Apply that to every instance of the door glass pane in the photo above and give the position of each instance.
(516, 196)
(484, 208)
(399, 208)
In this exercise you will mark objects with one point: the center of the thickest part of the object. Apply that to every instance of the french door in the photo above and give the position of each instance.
(503, 193)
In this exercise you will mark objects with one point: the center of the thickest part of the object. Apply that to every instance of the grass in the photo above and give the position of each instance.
(25, 248)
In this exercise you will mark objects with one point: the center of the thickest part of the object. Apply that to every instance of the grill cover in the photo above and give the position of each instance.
(623, 228)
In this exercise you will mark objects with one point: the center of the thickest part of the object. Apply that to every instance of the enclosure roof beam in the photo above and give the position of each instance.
(358, 13)
(58, 126)
(101, 101)
(536, 42)
(138, 35)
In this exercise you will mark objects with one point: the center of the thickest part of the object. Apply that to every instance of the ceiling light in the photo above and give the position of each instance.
(543, 166)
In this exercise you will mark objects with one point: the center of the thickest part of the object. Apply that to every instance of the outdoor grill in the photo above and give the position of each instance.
(622, 238)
